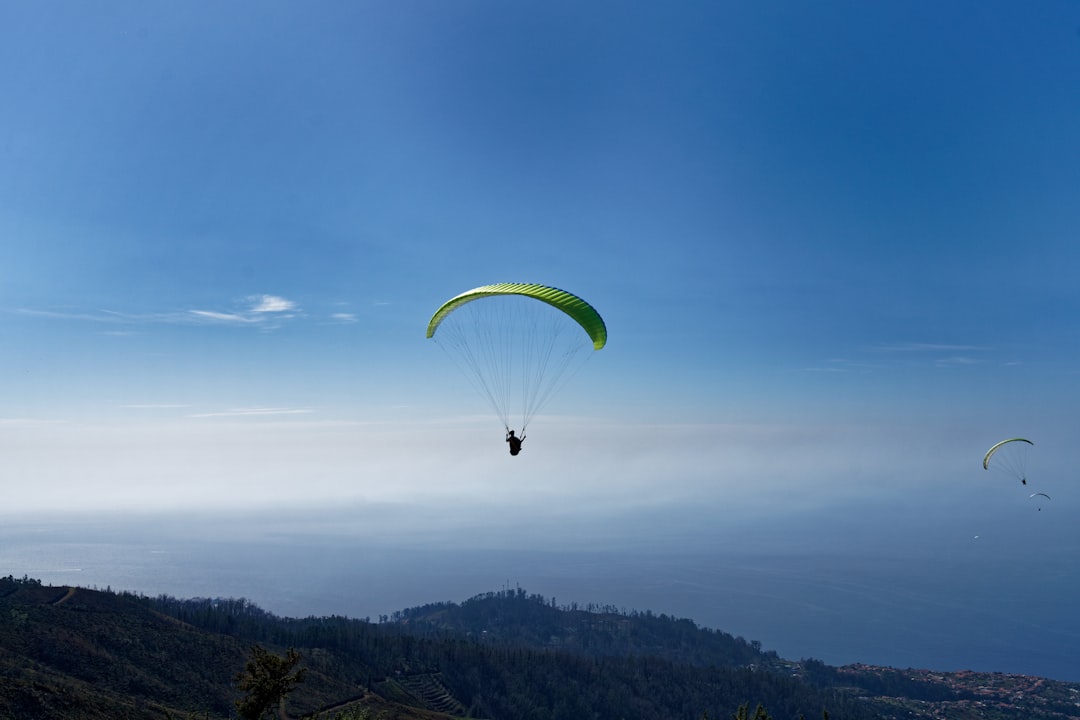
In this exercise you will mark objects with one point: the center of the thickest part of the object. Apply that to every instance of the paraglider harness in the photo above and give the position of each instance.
(515, 442)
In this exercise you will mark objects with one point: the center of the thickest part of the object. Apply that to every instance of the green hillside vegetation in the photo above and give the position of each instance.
(509, 655)
(77, 653)
(536, 660)
(520, 619)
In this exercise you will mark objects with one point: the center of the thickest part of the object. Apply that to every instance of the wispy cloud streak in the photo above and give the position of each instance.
(223, 317)
(917, 347)
(265, 311)
(886, 355)
(253, 412)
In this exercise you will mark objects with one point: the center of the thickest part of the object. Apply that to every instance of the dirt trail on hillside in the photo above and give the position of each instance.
(66, 596)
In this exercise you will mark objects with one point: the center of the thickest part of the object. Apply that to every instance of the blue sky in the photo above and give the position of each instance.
(834, 244)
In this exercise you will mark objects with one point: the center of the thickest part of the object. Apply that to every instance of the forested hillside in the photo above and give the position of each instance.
(537, 661)
(69, 652)
(517, 618)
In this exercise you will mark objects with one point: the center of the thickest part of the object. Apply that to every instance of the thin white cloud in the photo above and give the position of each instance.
(263, 310)
(266, 311)
(271, 304)
(840, 365)
(252, 412)
(343, 318)
(885, 355)
(223, 317)
(101, 316)
(917, 347)
(115, 316)
(957, 361)
(29, 422)
(942, 355)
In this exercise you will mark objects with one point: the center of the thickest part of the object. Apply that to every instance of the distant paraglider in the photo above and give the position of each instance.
(1039, 494)
(1009, 457)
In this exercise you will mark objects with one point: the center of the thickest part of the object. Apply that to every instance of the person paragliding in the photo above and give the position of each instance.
(518, 344)
(515, 442)
(1009, 457)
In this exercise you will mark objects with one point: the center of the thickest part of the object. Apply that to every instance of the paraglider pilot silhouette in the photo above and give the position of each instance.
(515, 442)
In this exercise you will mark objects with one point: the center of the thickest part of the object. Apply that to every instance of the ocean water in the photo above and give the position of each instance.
(983, 603)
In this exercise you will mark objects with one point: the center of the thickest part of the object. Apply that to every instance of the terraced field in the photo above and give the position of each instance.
(426, 690)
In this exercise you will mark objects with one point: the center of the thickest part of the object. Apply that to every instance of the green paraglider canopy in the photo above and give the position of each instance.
(581, 311)
(517, 343)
